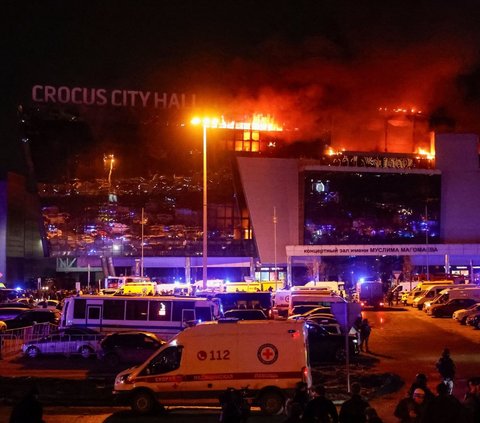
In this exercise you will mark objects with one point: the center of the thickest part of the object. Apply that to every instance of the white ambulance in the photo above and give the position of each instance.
(267, 358)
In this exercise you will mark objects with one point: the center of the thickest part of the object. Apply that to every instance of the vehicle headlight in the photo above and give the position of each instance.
(119, 380)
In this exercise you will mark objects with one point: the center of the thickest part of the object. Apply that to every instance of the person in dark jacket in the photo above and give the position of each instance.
(231, 402)
(353, 409)
(29, 409)
(471, 401)
(300, 397)
(446, 368)
(365, 330)
(444, 408)
(411, 408)
(320, 409)
(421, 382)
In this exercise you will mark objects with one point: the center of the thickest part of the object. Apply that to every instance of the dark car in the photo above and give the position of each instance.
(326, 347)
(33, 316)
(473, 320)
(246, 314)
(448, 308)
(128, 347)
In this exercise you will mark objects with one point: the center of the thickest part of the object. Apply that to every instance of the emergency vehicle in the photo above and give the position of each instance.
(267, 357)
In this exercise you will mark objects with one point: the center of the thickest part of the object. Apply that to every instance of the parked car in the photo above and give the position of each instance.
(462, 314)
(128, 347)
(7, 313)
(52, 304)
(27, 302)
(474, 320)
(246, 314)
(32, 316)
(82, 341)
(305, 308)
(448, 308)
(325, 346)
(326, 322)
(309, 312)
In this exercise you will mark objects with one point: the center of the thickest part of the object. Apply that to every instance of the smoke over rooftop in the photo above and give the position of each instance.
(323, 69)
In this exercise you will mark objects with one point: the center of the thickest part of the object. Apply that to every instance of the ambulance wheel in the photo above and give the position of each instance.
(271, 402)
(143, 402)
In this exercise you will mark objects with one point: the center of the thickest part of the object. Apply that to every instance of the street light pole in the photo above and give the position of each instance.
(275, 246)
(205, 228)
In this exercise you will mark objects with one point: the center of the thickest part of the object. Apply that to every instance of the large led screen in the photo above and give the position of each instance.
(371, 208)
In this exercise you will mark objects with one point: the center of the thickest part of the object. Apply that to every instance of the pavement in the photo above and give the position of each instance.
(93, 391)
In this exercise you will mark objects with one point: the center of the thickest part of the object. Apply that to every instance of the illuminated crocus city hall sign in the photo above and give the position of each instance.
(111, 97)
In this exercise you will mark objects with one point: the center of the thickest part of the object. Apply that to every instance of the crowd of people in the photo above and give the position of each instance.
(420, 404)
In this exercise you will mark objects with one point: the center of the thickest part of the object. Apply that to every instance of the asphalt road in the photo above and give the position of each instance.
(403, 342)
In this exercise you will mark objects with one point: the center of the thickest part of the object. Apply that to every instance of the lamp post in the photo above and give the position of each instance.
(205, 123)
(204, 202)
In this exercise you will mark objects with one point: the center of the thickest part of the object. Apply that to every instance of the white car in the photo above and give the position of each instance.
(461, 315)
(82, 341)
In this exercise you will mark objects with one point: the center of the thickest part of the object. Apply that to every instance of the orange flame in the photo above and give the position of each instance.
(426, 154)
(258, 122)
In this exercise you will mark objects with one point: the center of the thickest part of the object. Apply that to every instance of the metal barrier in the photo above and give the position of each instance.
(11, 341)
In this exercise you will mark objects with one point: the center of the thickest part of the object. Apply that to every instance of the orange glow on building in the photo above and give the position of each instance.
(426, 154)
(258, 122)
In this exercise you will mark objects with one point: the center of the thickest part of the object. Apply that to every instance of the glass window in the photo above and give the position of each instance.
(79, 309)
(371, 208)
(114, 309)
(203, 313)
(167, 361)
(160, 310)
(137, 310)
(94, 312)
(179, 307)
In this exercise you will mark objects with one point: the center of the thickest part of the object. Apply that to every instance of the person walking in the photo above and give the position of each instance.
(446, 368)
(365, 331)
(320, 409)
(353, 409)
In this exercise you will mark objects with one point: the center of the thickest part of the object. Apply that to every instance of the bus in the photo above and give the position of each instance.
(117, 282)
(165, 316)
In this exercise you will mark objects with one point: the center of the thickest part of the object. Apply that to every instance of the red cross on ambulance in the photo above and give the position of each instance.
(267, 353)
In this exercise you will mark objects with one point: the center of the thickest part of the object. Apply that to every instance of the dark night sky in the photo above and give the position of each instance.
(306, 62)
